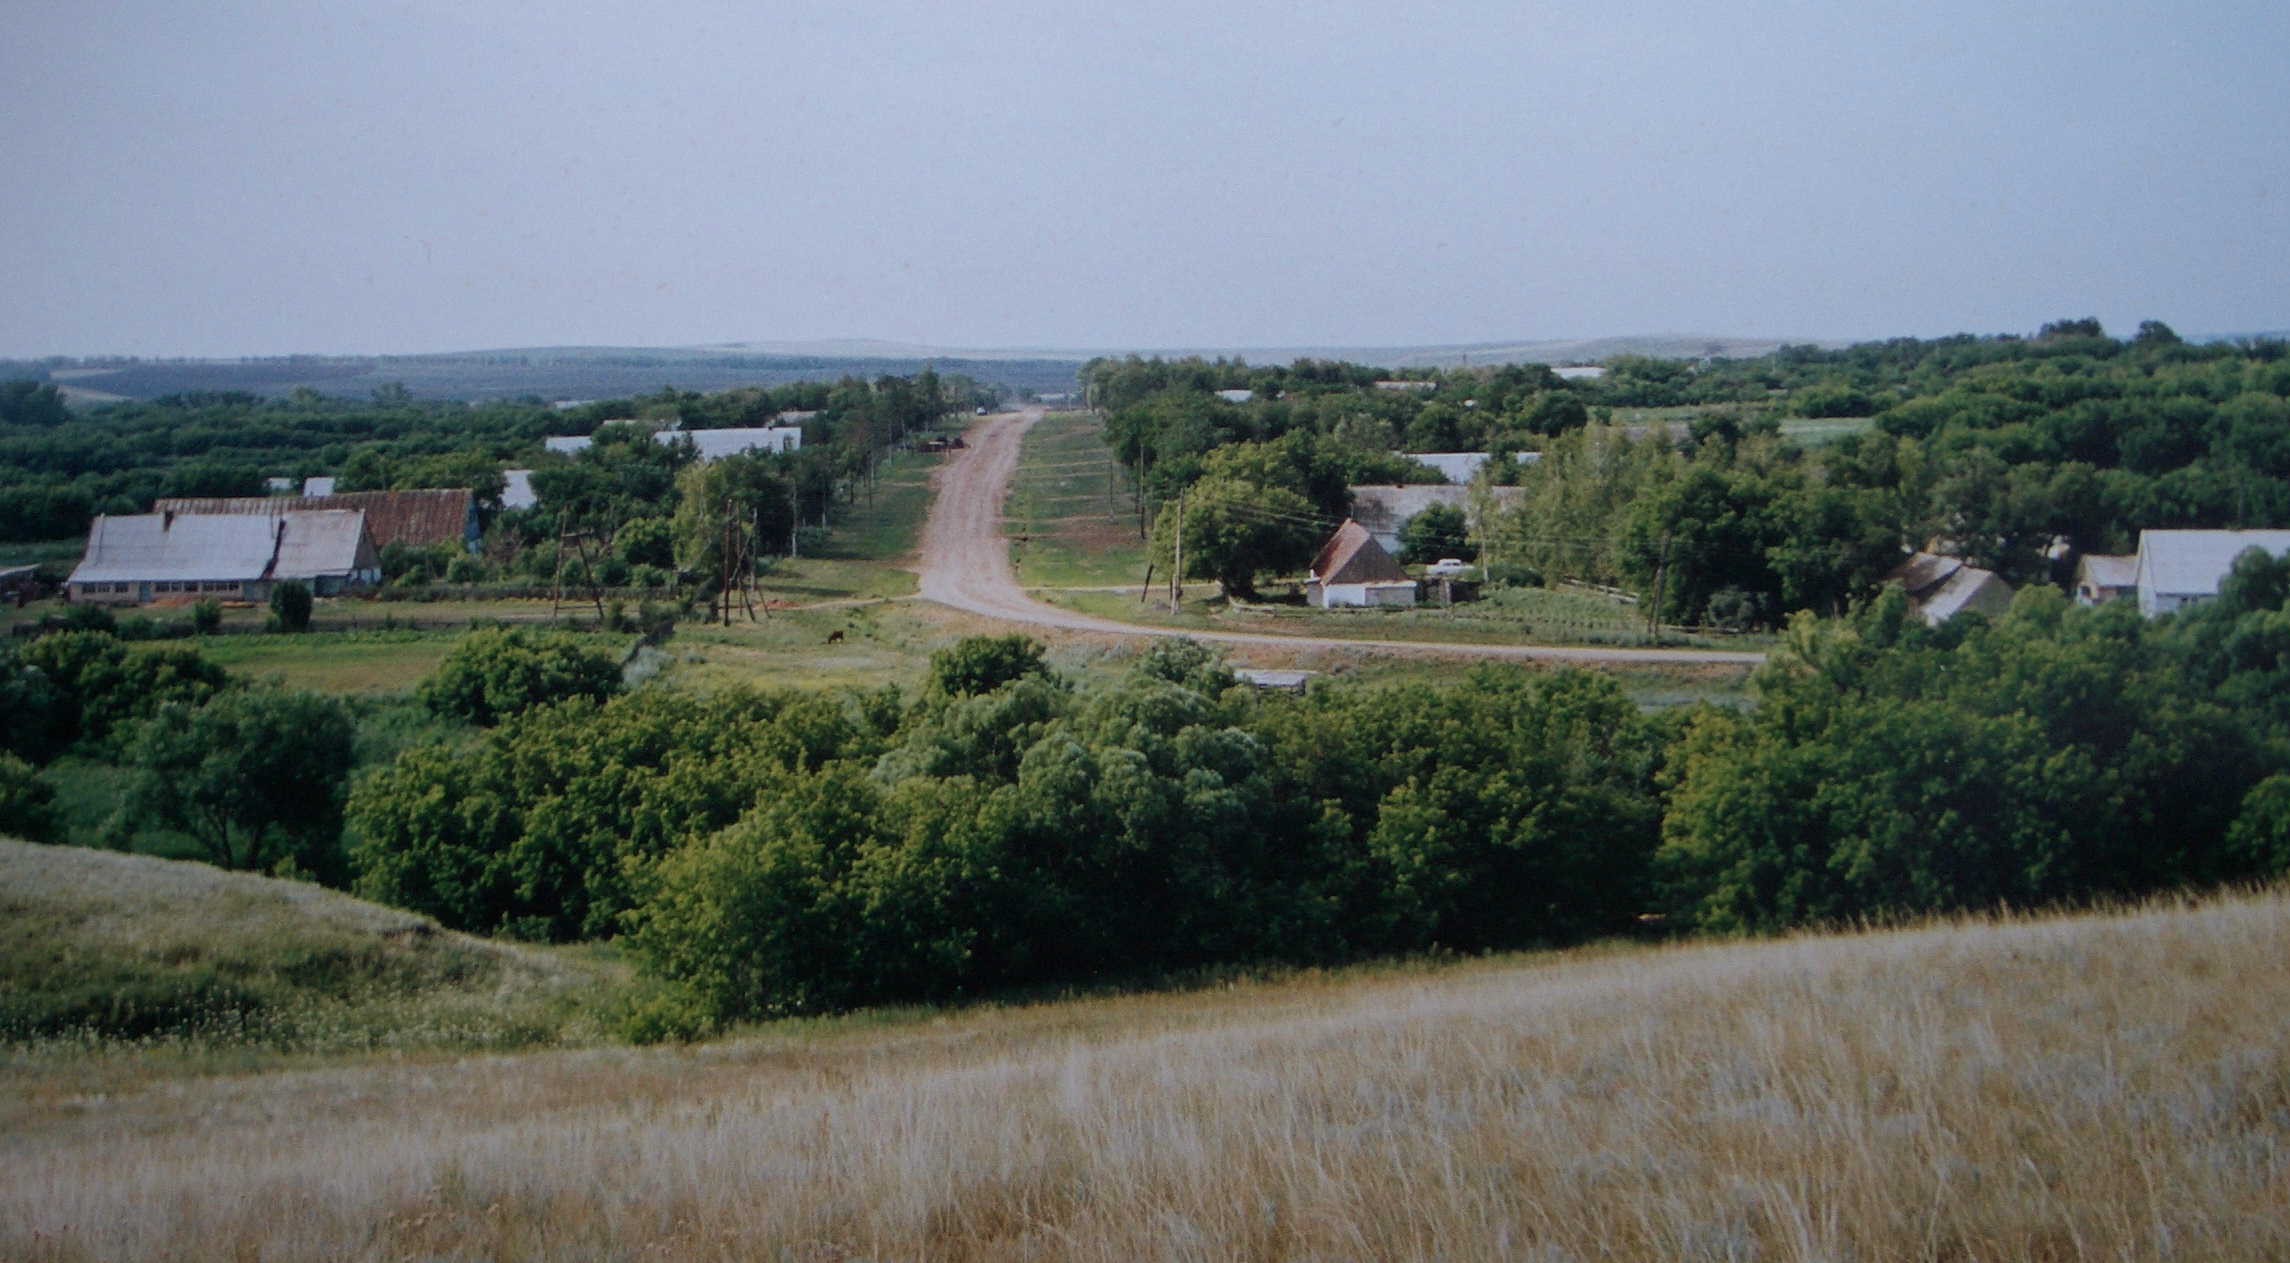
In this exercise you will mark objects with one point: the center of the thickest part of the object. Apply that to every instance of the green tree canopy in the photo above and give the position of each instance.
(495, 673)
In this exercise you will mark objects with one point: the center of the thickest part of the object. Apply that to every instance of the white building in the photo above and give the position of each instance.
(712, 444)
(1461, 467)
(144, 557)
(2175, 569)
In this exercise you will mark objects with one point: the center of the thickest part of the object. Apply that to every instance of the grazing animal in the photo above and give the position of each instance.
(835, 637)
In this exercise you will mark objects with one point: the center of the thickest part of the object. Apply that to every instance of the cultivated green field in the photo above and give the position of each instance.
(1071, 520)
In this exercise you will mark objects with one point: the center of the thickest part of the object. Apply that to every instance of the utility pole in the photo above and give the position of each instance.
(1177, 571)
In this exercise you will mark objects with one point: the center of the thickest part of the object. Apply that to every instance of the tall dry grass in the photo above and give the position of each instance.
(2108, 1087)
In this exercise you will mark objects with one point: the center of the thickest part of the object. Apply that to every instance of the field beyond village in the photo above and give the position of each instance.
(2100, 1086)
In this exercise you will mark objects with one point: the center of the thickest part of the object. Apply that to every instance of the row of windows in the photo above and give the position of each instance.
(189, 585)
(167, 585)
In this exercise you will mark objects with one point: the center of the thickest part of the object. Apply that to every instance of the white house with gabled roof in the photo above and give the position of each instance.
(2176, 569)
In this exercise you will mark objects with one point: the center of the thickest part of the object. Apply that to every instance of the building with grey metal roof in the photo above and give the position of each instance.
(140, 558)
(2176, 569)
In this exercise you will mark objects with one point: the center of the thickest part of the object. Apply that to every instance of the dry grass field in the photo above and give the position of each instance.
(2103, 1087)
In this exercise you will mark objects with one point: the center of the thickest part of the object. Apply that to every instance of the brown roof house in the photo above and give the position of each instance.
(1940, 588)
(149, 557)
(420, 518)
(1354, 570)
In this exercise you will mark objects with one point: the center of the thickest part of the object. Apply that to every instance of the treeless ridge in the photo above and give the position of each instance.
(966, 565)
(2111, 1086)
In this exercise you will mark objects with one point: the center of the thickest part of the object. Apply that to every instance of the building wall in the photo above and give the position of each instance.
(1363, 595)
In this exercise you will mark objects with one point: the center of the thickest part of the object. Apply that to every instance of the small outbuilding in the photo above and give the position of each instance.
(1940, 588)
(1352, 569)
(2103, 577)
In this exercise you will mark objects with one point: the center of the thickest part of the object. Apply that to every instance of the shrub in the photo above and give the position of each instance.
(465, 569)
(27, 804)
(290, 605)
(981, 664)
(207, 617)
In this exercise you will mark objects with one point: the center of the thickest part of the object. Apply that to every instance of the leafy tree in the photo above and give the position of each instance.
(290, 605)
(1235, 530)
(982, 664)
(100, 687)
(1440, 531)
(254, 777)
(29, 403)
(27, 804)
(495, 673)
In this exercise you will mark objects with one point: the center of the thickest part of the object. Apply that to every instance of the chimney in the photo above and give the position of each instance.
(167, 522)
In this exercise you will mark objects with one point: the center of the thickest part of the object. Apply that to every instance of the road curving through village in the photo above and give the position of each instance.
(966, 566)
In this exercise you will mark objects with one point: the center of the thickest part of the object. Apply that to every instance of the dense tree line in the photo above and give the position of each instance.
(2020, 454)
(59, 468)
(777, 853)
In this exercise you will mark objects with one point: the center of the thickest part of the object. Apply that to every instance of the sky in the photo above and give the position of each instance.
(227, 178)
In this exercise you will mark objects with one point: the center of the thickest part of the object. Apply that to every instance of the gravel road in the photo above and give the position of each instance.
(966, 566)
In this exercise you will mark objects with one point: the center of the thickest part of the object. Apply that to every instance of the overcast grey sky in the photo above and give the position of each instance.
(219, 178)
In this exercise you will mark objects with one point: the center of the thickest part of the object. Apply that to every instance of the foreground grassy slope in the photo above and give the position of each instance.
(2101, 1087)
(99, 948)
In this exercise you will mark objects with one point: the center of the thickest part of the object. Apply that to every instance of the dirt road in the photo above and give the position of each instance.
(966, 566)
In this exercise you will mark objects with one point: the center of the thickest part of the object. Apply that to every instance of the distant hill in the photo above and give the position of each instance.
(547, 373)
(609, 372)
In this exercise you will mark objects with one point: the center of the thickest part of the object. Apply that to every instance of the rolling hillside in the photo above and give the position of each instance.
(99, 948)
(2107, 1086)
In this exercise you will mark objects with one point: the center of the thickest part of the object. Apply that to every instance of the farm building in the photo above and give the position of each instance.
(517, 489)
(711, 444)
(318, 487)
(1354, 570)
(1940, 588)
(146, 557)
(1385, 509)
(2100, 578)
(422, 519)
(2175, 569)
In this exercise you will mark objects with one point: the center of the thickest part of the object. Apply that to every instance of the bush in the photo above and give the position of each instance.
(27, 804)
(981, 664)
(465, 569)
(88, 618)
(207, 617)
(290, 606)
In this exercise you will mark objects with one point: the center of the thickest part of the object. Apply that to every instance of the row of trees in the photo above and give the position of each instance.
(774, 853)
(58, 468)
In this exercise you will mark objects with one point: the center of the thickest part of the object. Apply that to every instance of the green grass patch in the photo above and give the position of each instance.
(1511, 616)
(44, 552)
(1070, 517)
(335, 662)
(1822, 431)
(100, 950)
